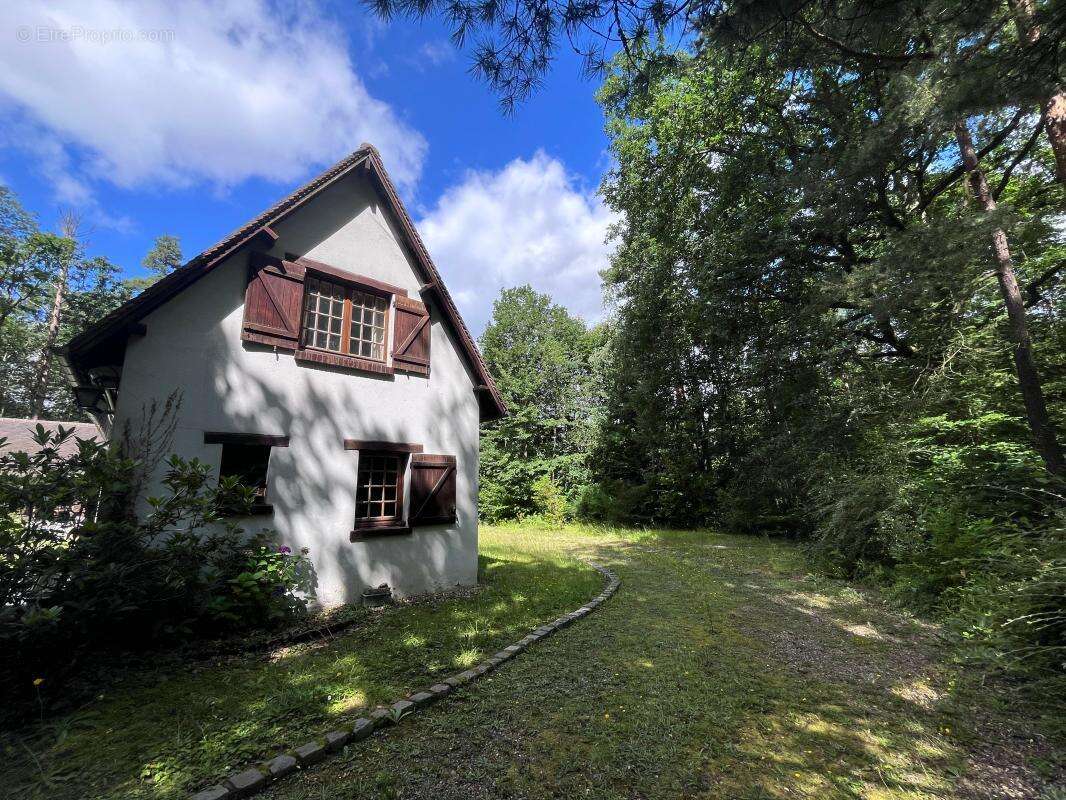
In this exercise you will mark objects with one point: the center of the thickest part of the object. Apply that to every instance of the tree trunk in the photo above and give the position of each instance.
(69, 229)
(1040, 424)
(1055, 125)
(1054, 108)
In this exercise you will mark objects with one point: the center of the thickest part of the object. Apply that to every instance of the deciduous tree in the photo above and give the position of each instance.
(541, 358)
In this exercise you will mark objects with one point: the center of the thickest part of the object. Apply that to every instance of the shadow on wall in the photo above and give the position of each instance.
(326, 214)
(231, 385)
(312, 482)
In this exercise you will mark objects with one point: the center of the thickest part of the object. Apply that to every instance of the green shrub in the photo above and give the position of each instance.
(613, 502)
(957, 523)
(79, 571)
(1005, 592)
(549, 502)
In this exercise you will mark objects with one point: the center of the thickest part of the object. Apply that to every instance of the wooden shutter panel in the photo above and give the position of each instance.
(432, 489)
(410, 337)
(273, 303)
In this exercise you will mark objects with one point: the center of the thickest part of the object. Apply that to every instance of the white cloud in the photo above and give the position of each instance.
(55, 164)
(531, 222)
(433, 54)
(179, 93)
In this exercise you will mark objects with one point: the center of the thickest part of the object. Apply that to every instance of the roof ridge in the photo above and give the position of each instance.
(297, 194)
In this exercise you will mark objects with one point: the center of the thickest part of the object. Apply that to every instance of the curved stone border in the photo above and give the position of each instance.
(256, 778)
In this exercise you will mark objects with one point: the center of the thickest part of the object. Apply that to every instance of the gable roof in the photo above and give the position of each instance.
(123, 320)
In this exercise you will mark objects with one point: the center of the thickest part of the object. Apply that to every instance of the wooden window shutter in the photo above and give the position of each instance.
(273, 303)
(410, 337)
(432, 489)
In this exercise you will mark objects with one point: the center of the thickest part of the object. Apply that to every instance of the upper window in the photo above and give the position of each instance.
(323, 315)
(344, 320)
(368, 326)
(379, 489)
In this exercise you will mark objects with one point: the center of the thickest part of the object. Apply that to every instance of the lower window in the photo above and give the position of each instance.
(379, 489)
(248, 464)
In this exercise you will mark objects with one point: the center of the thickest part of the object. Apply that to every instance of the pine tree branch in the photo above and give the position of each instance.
(951, 177)
(1020, 156)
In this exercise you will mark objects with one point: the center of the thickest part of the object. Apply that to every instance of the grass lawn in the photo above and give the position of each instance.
(164, 732)
(719, 670)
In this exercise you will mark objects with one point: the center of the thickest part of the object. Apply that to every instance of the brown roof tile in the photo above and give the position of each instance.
(19, 434)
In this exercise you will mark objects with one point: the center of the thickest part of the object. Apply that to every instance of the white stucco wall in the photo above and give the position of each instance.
(193, 345)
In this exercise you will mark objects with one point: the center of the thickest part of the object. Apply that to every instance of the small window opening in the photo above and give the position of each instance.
(248, 464)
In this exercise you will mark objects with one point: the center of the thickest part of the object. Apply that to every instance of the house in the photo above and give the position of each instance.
(317, 354)
(18, 434)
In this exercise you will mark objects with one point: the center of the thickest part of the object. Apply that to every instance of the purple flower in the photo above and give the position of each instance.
(284, 550)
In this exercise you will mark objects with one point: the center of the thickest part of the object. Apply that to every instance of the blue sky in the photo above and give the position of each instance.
(188, 118)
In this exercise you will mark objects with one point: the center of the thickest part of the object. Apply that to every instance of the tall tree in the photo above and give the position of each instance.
(68, 227)
(1040, 423)
(516, 42)
(922, 66)
(29, 258)
(49, 290)
(163, 258)
(1053, 109)
(540, 357)
(790, 249)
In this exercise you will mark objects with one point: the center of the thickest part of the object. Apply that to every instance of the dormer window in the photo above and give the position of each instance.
(344, 320)
(336, 319)
(323, 315)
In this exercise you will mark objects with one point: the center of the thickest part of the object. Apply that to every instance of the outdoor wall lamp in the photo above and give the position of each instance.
(91, 399)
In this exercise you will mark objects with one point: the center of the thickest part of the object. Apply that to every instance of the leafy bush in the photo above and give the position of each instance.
(956, 519)
(1003, 584)
(79, 571)
(613, 502)
(549, 502)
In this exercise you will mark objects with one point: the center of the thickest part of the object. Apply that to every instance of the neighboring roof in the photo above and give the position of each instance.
(20, 432)
(123, 319)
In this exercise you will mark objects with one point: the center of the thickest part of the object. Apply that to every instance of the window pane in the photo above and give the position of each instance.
(368, 326)
(377, 490)
(324, 315)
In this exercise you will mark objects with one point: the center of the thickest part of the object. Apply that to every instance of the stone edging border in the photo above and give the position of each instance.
(258, 777)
